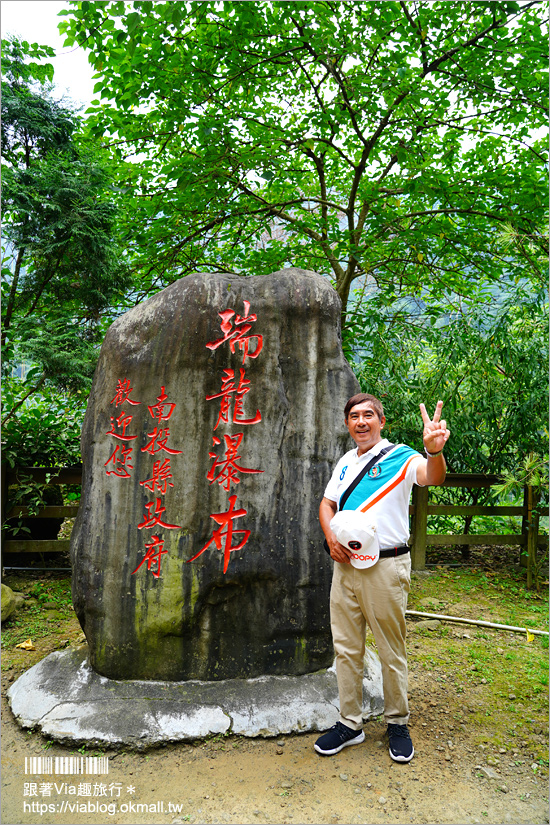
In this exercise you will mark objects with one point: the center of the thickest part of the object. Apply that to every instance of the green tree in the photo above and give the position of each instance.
(487, 361)
(62, 266)
(393, 140)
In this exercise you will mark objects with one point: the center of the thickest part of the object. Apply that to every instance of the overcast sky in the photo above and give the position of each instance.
(36, 21)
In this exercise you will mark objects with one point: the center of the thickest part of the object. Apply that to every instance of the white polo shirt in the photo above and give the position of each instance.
(384, 493)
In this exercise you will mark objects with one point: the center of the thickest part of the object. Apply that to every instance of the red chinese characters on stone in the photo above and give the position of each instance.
(153, 556)
(122, 393)
(225, 470)
(226, 531)
(161, 474)
(235, 328)
(162, 410)
(118, 463)
(158, 442)
(159, 481)
(234, 386)
(120, 459)
(119, 426)
(151, 519)
(230, 389)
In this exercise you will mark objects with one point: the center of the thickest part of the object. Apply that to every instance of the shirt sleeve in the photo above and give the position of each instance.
(413, 468)
(332, 488)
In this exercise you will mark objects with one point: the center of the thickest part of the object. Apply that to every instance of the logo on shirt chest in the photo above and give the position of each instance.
(375, 471)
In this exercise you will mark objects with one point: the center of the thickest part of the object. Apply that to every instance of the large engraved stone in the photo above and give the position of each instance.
(214, 421)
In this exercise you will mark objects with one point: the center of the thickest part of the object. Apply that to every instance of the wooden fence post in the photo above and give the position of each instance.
(419, 527)
(523, 553)
(532, 535)
(4, 499)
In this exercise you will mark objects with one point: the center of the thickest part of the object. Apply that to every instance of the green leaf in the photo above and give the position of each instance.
(133, 21)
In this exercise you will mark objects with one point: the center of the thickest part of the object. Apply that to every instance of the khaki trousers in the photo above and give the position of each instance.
(377, 596)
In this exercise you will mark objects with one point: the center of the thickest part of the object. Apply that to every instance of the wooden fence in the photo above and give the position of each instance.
(529, 538)
(57, 475)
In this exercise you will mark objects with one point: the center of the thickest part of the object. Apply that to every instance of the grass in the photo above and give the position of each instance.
(34, 620)
(502, 592)
(502, 673)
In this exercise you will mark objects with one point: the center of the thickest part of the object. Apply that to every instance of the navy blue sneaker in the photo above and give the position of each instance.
(337, 738)
(401, 746)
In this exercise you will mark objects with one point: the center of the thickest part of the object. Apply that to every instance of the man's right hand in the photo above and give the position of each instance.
(338, 551)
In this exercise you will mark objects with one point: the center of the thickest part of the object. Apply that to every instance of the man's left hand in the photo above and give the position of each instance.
(435, 434)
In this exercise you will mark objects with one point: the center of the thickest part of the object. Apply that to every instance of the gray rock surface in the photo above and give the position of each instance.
(156, 587)
(71, 703)
(20, 600)
(426, 624)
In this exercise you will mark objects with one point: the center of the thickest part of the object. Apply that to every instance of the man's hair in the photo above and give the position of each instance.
(360, 398)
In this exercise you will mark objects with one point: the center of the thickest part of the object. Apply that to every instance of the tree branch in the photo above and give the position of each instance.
(13, 293)
(22, 401)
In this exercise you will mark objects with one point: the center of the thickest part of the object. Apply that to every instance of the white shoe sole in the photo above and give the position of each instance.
(402, 758)
(355, 741)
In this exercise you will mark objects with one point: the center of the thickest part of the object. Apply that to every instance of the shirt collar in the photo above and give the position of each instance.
(373, 450)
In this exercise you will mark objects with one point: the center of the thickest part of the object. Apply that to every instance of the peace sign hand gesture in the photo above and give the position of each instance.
(435, 434)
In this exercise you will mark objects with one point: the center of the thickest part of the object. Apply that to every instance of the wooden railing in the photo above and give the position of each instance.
(420, 509)
(55, 475)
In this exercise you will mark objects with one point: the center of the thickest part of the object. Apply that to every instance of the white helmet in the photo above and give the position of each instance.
(356, 531)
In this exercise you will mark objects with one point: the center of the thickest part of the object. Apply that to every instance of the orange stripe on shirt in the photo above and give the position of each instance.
(381, 495)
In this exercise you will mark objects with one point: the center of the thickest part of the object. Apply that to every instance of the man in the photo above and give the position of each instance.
(376, 595)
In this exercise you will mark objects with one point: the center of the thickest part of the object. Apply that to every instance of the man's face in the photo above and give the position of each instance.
(364, 426)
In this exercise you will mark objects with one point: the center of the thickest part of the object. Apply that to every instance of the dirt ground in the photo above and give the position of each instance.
(461, 772)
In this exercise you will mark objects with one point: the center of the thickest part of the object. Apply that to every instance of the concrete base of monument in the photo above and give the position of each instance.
(69, 702)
